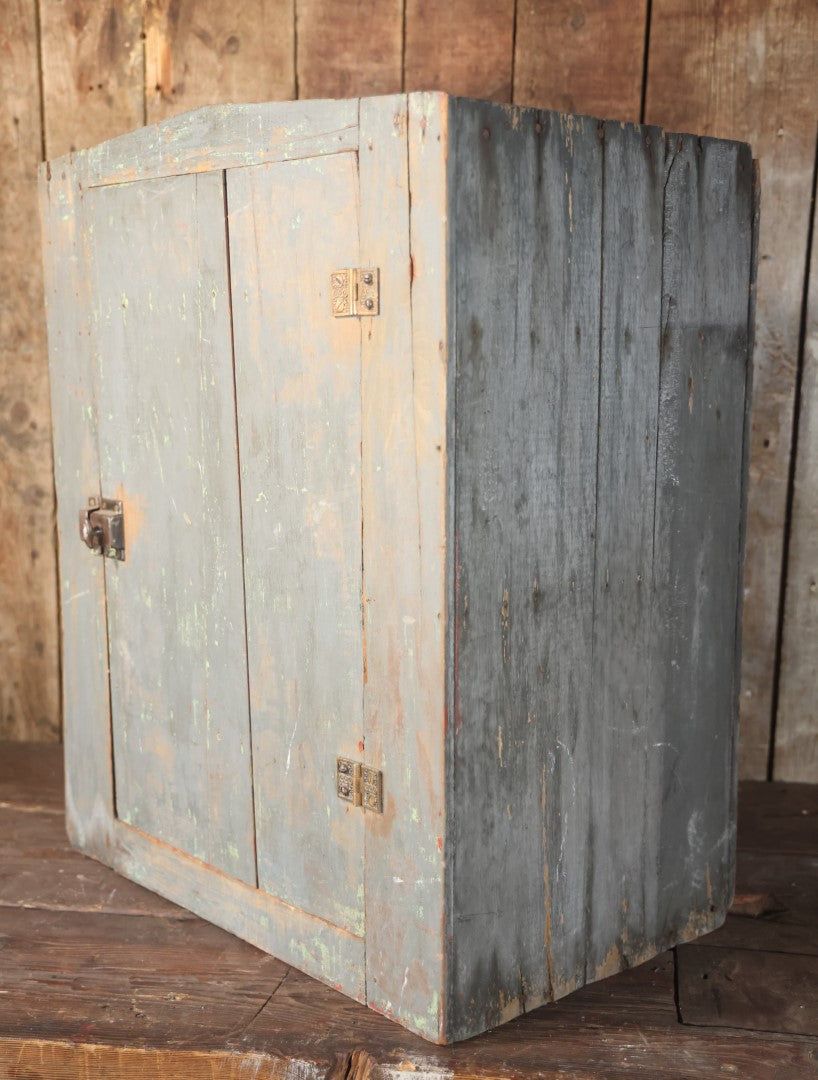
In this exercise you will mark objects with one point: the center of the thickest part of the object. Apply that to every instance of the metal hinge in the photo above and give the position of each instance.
(359, 784)
(355, 291)
(102, 527)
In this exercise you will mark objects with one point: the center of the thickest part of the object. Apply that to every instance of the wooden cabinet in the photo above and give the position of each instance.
(479, 543)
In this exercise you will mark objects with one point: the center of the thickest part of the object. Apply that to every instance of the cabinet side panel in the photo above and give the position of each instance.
(86, 720)
(404, 468)
(706, 277)
(527, 210)
(602, 290)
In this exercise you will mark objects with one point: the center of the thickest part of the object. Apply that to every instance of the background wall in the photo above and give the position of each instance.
(74, 72)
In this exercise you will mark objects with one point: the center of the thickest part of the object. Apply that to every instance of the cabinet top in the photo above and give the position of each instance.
(215, 137)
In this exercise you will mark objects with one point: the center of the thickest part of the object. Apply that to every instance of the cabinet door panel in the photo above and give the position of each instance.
(167, 436)
(298, 383)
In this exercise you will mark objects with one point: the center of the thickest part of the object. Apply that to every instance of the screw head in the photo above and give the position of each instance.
(369, 303)
(367, 279)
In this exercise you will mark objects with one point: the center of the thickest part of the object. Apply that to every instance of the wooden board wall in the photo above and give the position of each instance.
(80, 73)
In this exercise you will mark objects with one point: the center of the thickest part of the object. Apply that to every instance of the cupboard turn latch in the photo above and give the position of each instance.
(359, 784)
(355, 291)
(102, 527)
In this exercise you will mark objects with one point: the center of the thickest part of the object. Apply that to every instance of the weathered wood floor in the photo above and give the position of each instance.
(99, 978)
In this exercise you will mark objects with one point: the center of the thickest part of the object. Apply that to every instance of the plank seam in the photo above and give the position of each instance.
(793, 463)
(241, 522)
(645, 60)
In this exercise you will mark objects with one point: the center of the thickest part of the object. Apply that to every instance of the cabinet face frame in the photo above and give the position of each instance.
(398, 966)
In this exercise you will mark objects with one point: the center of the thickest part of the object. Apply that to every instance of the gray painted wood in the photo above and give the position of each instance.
(591, 801)
(706, 270)
(625, 751)
(404, 492)
(529, 472)
(298, 378)
(527, 229)
(296, 937)
(168, 449)
(69, 308)
(226, 137)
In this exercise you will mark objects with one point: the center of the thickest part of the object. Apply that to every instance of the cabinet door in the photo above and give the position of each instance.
(298, 380)
(167, 449)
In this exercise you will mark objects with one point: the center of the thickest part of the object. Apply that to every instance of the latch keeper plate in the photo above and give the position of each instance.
(102, 527)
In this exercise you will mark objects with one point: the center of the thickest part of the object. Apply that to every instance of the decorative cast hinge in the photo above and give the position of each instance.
(102, 527)
(359, 784)
(355, 291)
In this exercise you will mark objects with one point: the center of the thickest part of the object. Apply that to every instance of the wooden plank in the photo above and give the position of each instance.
(92, 70)
(462, 47)
(706, 279)
(69, 307)
(167, 443)
(130, 998)
(31, 776)
(527, 228)
(778, 817)
(313, 1032)
(403, 387)
(76, 975)
(354, 49)
(787, 884)
(296, 937)
(564, 57)
(623, 757)
(208, 52)
(291, 225)
(226, 137)
(796, 723)
(29, 618)
(751, 72)
(743, 988)
(39, 870)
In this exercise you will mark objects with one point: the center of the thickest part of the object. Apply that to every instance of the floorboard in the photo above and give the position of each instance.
(101, 978)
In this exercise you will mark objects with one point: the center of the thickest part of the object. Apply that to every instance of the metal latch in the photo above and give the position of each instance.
(355, 291)
(102, 527)
(359, 784)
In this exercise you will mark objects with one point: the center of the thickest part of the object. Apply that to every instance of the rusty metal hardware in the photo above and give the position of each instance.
(102, 527)
(355, 291)
(359, 784)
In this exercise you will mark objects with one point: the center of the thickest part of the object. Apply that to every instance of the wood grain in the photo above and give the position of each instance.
(796, 728)
(750, 71)
(153, 997)
(226, 137)
(461, 47)
(584, 56)
(622, 755)
(292, 224)
(598, 500)
(29, 626)
(404, 371)
(295, 937)
(89, 798)
(346, 49)
(32, 777)
(527, 231)
(706, 283)
(39, 870)
(92, 65)
(167, 445)
(203, 52)
(742, 988)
